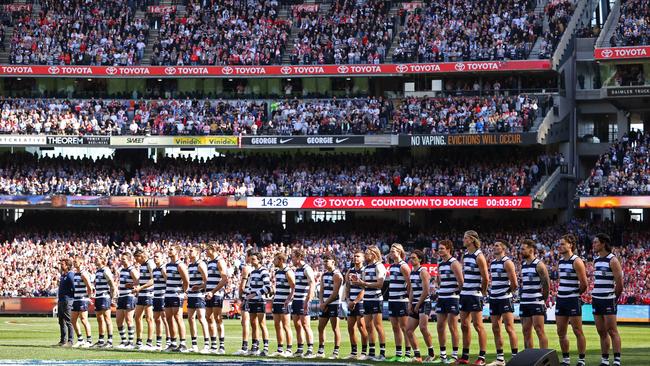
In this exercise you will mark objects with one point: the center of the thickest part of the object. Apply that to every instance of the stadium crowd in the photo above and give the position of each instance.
(460, 30)
(623, 171)
(634, 24)
(465, 115)
(28, 266)
(453, 114)
(352, 32)
(286, 175)
(222, 33)
(559, 14)
(80, 32)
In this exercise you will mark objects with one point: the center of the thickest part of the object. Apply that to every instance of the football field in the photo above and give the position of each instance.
(32, 338)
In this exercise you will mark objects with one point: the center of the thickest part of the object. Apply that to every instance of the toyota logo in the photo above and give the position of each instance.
(170, 70)
(286, 70)
(111, 70)
(342, 69)
(320, 202)
(607, 53)
(459, 66)
(227, 70)
(54, 70)
(402, 68)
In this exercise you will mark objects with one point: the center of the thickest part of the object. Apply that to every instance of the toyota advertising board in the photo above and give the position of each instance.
(389, 202)
(622, 53)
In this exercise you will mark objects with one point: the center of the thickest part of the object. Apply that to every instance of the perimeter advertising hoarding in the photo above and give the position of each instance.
(615, 202)
(617, 53)
(526, 138)
(154, 202)
(388, 202)
(326, 141)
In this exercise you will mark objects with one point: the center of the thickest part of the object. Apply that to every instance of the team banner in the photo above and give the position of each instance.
(615, 202)
(77, 140)
(17, 7)
(614, 53)
(374, 203)
(22, 140)
(276, 70)
(637, 91)
(526, 138)
(270, 141)
(161, 9)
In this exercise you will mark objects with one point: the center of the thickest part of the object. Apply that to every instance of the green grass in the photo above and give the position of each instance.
(24, 338)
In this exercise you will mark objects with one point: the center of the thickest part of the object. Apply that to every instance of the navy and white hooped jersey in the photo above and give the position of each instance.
(397, 291)
(174, 284)
(417, 287)
(259, 283)
(159, 283)
(449, 287)
(214, 277)
(500, 288)
(354, 291)
(531, 284)
(328, 286)
(603, 278)
(102, 288)
(125, 278)
(471, 274)
(371, 274)
(196, 279)
(80, 289)
(302, 283)
(569, 283)
(282, 287)
(146, 275)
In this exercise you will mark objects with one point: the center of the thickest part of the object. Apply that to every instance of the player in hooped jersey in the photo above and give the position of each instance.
(176, 284)
(214, 294)
(197, 273)
(105, 291)
(475, 274)
(303, 293)
(259, 288)
(354, 296)
(608, 286)
(398, 300)
(159, 286)
(144, 305)
(329, 299)
(246, 270)
(419, 306)
(534, 291)
(126, 300)
(285, 283)
(503, 285)
(450, 281)
(372, 281)
(83, 289)
(568, 307)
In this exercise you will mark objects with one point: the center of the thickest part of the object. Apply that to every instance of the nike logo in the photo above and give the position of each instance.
(338, 141)
(282, 141)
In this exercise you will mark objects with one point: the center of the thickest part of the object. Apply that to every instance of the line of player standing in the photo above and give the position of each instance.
(157, 291)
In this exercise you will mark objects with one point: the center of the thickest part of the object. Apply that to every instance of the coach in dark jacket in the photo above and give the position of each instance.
(66, 297)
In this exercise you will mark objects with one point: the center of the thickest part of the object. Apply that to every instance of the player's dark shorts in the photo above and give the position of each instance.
(447, 306)
(331, 311)
(126, 303)
(358, 310)
(471, 303)
(244, 306)
(280, 309)
(256, 307)
(214, 302)
(158, 304)
(425, 309)
(173, 302)
(529, 310)
(568, 306)
(397, 309)
(145, 301)
(371, 307)
(80, 305)
(603, 306)
(195, 302)
(501, 306)
(298, 308)
(102, 303)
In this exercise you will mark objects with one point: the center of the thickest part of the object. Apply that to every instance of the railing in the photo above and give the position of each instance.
(612, 21)
(561, 53)
(542, 191)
